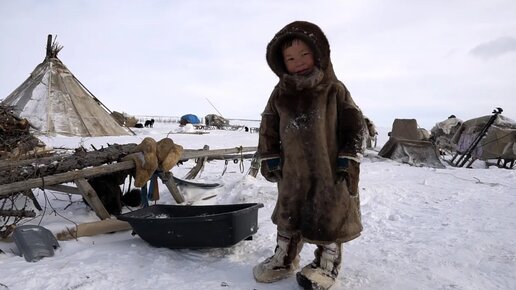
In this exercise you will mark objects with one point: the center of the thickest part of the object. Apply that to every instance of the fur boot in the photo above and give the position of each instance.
(283, 263)
(321, 273)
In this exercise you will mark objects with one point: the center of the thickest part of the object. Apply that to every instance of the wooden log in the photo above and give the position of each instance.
(92, 198)
(6, 189)
(198, 166)
(44, 181)
(124, 150)
(17, 213)
(9, 164)
(11, 171)
(170, 183)
(93, 228)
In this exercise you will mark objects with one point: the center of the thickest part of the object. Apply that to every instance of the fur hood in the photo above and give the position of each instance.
(312, 35)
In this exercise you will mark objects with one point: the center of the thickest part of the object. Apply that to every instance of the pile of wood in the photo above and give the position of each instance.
(16, 140)
(19, 176)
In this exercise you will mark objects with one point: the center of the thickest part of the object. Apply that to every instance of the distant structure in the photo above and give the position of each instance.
(189, 119)
(219, 122)
(406, 145)
(56, 103)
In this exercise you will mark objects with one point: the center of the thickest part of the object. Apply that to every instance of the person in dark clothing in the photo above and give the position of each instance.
(310, 143)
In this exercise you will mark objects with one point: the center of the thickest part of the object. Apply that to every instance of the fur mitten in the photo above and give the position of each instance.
(145, 160)
(168, 154)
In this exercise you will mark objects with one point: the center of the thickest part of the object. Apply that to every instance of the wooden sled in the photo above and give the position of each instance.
(103, 164)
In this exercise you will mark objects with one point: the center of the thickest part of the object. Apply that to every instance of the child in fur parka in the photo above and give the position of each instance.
(310, 143)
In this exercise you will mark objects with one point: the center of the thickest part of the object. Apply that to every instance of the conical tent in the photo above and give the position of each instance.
(55, 102)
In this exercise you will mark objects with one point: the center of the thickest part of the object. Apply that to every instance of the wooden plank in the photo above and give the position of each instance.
(92, 198)
(93, 228)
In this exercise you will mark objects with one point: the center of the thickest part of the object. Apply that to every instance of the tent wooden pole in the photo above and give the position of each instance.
(49, 45)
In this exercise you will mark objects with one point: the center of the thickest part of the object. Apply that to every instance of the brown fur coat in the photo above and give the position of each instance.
(309, 124)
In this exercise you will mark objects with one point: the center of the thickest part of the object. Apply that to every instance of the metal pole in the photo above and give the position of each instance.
(220, 114)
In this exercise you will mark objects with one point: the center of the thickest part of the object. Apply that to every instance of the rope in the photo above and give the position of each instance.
(492, 141)
(241, 164)
(225, 166)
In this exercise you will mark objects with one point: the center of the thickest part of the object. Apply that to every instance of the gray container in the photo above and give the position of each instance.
(34, 242)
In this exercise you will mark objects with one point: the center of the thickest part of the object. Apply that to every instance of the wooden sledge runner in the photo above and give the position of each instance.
(185, 182)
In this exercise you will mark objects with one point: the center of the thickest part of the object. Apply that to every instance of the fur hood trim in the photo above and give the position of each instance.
(308, 32)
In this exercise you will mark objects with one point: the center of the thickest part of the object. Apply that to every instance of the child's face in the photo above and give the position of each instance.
(298, 58)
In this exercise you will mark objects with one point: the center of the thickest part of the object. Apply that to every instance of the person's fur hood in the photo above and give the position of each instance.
(312, 35)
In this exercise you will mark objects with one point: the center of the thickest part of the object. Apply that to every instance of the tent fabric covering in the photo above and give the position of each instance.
(56, 103)
(499, 142)
(216, 121)
(189, 119)
(405, 129)
(417, 153)
(406, 145)
(443, 132)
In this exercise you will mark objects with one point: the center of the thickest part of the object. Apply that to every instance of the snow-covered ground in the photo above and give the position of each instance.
(424, 228)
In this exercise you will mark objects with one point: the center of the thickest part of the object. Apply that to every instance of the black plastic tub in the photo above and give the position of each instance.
(199, 226)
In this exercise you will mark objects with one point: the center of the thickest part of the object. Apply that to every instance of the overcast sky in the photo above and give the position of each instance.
(399, 59)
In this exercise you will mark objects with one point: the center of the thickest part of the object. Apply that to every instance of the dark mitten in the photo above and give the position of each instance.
(271, 169)
(342, 170)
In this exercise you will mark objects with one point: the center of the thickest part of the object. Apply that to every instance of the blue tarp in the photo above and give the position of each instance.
(189, 118)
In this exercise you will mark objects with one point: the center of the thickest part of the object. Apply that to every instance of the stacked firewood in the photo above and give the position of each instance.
(16, 142)
(15, 137)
